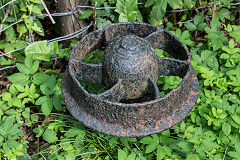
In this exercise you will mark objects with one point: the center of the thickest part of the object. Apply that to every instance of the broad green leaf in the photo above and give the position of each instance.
(85, 14)
(160, 153)
(45, 90)
(72, 132)
(41, 50)
(151, 147)
(12, 143)
(34, 67)
(6, 96)
(122, 155)
(159, 9)
(127, 10)
(226, 128)
(57, 102)
(10, 34)
(19, 78)
(40, 78)
(236, 118)
(22, 68)
(41, 100)
(50, 136)
(174, 4)
(146, 140)
(80, 138)
(47, 107)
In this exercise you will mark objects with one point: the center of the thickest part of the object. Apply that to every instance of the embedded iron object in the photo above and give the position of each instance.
(132, 106)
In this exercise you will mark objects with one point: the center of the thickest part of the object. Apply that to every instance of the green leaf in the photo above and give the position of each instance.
(226, 128)
(159, 9)
(47, 107)
(22, 68)
(188, 3)
(50, 136)
(80, 138)
(8, 123)
(51, 82)
(34, 67)
(45, 90)
(167, 150)
(35, 1)
(236, 118)
(122, 155)
(12, 143)
(174, 4)
(19, 78)
(57, 102)
(41, 50)
(151, 147)
(40, 78)
(6, 96)
(127, 10)
(192, 156)
(160, 153)
(85, 14)
(39, 131)
(146, 140)
(41, 100)
(28, 61)
(10, 34)
(190, 26)
(72, 132)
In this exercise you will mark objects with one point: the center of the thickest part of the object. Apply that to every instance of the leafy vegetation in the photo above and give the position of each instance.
(34, 122)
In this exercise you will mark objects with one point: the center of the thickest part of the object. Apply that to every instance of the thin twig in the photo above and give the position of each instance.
(46, 9)
(95, 15)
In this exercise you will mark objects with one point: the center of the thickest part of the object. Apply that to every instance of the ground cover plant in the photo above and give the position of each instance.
(34, 122)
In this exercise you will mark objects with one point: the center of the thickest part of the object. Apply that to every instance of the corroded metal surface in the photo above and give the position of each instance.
(131, 67)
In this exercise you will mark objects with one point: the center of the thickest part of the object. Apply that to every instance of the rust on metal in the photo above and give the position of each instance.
(132, 106)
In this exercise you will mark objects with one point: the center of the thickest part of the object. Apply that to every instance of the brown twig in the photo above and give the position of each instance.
(95, 15)
(9, 56)
(46, 9)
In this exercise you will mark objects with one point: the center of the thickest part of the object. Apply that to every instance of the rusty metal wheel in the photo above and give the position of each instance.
(132, 68)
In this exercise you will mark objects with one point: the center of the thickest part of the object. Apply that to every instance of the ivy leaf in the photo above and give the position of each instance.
(127, 10)
(50, 136)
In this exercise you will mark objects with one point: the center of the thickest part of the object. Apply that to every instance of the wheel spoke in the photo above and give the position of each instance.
(86, 71)
(172, 67)
(153, 88)
(169, 43)
(115, 31)
(114, 94)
